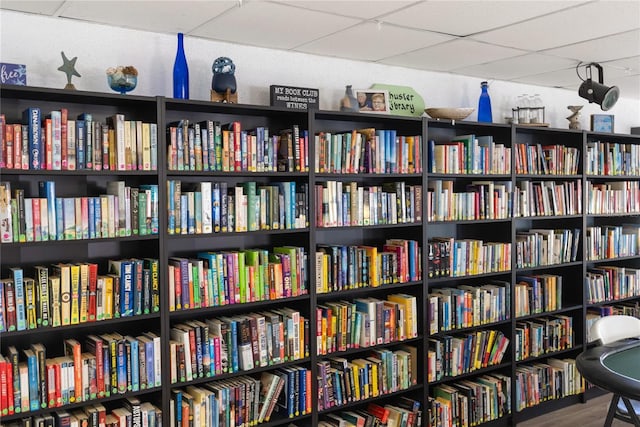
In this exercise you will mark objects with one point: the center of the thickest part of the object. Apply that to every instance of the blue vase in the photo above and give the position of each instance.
(484, 104)
(180, 72)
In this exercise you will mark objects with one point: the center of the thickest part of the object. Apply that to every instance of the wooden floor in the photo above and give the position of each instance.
(590, 414)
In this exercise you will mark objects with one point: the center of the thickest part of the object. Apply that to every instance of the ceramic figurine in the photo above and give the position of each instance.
(69, 68)
(223, 75)
(574, 119)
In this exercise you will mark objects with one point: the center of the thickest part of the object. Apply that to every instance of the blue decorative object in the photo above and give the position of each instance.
(122, 79)
(223, 75)
(13, 74)
(180, 72)
(484, 104)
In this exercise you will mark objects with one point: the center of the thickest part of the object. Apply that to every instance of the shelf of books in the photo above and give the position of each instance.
(171, 262)
(80, 288)
(237, 258)
(469, 273)
(367, 231)
(612, 228)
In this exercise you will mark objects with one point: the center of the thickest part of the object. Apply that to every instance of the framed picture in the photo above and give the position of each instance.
(602, 123)
(373, 101)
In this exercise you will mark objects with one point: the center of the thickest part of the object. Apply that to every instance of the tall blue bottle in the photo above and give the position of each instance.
(180, 72)
(484, 104)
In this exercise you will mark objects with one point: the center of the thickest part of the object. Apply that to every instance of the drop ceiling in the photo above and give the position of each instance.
(530, 42)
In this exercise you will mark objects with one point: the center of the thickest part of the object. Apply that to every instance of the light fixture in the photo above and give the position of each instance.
(605, 96)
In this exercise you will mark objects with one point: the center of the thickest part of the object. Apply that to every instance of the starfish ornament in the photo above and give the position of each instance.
(69, 68)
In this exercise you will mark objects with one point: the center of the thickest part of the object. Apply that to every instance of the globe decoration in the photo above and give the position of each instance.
(223, 80)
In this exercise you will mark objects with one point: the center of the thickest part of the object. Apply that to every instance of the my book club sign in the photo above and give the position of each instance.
(294, 98)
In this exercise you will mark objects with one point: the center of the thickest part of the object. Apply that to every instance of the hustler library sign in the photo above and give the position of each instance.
(294, 98)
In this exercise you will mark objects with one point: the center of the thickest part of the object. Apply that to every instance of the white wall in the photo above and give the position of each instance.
(37, 41)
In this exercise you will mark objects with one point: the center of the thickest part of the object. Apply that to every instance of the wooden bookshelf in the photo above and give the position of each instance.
(513, 140)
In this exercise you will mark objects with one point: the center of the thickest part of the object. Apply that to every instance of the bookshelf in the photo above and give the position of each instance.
(490, 304)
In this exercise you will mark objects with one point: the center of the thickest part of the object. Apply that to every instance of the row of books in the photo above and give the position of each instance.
(368, 150)
(542, 335)
(105, 365)
(73, 293)
(211, 347)
(121, 211)
(449, 257)
(612, 158)
(613, 197)
(403, 412)
(541, 159)
(470, 402)
(365, 322)
(479, 200)
(131, 413)
(212, 207)
(450, 356)
(537, 294)
(545, 246)
(466, 306)
(347, 204)
(595, 313)
(540, 382)
(548, 198)
(612, 241)
(341, 267)
(341, 381)
(58, 142)
(244, 400)
(211, 279)
(211, 146)
(611, 283)
(469, 154)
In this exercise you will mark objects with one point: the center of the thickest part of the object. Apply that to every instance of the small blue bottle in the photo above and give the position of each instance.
(180, 72)
(484, 104)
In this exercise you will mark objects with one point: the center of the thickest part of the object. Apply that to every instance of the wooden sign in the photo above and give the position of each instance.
(294, 98)
(403, 100)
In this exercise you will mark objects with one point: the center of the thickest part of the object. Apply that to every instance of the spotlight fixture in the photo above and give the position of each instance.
(605, 96)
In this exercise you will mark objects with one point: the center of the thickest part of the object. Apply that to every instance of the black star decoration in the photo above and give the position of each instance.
(69, 67)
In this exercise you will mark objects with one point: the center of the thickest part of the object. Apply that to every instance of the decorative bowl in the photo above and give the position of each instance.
(449, 113)
(122, 79)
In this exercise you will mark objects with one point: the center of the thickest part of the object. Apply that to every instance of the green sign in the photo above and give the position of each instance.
(403, 100)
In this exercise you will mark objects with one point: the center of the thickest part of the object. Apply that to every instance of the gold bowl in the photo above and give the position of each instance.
(449, 113)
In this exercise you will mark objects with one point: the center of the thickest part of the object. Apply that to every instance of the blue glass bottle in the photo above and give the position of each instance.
(484, 104)
(180, 72)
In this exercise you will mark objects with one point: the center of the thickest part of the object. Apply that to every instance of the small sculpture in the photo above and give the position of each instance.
(223, 82)
(69, 68)
(574, 119)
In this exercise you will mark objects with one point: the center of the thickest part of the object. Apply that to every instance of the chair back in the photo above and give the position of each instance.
(614, 328)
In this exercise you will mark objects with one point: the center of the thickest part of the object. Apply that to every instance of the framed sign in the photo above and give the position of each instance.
(602, 123)
(373, 101)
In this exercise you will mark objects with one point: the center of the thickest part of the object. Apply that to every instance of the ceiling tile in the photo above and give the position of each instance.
(452, 55)
(510, 68)
(254, 24)
(160, 16)
(463, 18)
(558, 78)
(603, 49)
(48, 7)
(371, 42)
(629, 65)
(363, 9)
(581, 23)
